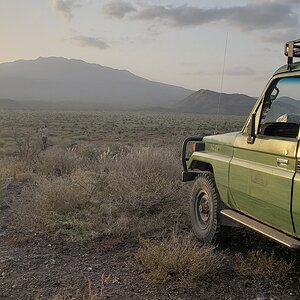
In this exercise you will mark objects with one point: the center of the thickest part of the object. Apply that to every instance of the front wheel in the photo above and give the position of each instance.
(205, 203)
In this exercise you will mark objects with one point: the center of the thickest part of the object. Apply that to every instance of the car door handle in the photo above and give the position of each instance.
(282, 161)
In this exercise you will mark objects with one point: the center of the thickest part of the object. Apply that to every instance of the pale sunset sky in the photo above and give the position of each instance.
(180, 42)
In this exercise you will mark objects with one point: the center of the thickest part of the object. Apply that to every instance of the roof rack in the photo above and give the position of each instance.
(291, 50)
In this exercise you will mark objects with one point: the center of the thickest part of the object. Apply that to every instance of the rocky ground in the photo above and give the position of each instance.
(37, 267)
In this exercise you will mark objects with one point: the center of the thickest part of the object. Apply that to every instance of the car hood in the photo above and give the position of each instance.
(221, 139)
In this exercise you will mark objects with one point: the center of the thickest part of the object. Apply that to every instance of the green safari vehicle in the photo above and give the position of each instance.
(252, 177)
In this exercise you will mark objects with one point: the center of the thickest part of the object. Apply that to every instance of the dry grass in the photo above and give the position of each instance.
(27, 144)
(56, 162)
(79, 296)
(179, 259)
(11, 167)
(3, 187)
(16, 170)
(8, 171)
(90, 294)
(146, 188)
(130, 191)
(85, 191)
(263, 265)
(56, 206)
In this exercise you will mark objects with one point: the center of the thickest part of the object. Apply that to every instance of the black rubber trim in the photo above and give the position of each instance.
(183, 153)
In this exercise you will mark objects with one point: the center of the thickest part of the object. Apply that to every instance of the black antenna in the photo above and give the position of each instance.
(221, 86)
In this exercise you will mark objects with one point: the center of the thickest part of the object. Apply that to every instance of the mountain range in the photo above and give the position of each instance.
(60, 83)
(10, 104)
(212, 103)
(57, 79)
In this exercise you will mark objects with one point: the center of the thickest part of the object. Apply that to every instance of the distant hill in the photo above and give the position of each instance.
(207, 102)
(68, 80)
(9, 104)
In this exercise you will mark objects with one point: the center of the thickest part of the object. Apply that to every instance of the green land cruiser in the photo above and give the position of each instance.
(252, 177)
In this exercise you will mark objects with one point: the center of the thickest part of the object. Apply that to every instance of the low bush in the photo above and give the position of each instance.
(3, 186)
(27, 145)
(263, 265)
(55, 206)
(13, 170)
(56, 162)
(179, 259)
(146, 188)
(135, 191)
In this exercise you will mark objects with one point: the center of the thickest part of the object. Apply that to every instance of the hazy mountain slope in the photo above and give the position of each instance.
(60, 79)
(9, 104)
(207, 102)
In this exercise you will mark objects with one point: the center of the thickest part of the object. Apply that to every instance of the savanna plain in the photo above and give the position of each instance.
(102, 214)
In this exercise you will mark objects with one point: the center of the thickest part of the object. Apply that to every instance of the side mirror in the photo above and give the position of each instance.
(251, 129)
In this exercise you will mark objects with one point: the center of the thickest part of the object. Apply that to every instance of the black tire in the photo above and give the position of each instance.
(205, 202)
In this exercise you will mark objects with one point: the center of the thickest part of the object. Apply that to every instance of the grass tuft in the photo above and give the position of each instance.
(90, 293)
(263, 265)
(179, 259)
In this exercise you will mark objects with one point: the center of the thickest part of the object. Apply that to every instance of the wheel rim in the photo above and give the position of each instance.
(203, 210)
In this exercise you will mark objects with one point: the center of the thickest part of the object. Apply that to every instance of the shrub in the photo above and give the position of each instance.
(179, 259)
(136, 192)
(91, 182)
(25, 176)
(3, 186)
(56, 162)
(260, 264)
(73, 207)
(146, 188)
(54, 206)
(5, 179)
(13, 168)
(28, 145)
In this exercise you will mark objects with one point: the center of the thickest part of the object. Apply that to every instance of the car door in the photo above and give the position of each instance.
(296, 197)
(261, 179)
(261, 173)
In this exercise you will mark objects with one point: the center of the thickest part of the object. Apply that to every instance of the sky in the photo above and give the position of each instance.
(179, 42)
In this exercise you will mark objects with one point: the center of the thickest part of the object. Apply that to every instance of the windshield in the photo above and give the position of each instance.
(283, 104)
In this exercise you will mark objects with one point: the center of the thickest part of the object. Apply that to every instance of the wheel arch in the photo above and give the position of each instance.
(218, 165)
(202, 166)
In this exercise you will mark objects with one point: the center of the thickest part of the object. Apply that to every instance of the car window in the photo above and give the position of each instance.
(281, 109)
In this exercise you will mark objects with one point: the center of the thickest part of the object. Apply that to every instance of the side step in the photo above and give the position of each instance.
(262, 228)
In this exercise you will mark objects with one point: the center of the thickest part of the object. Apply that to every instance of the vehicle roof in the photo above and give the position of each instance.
(284, 68)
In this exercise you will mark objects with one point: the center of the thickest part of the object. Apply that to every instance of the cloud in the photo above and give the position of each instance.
(85, 41)
(266, 16)
(246, 18)
(118, 9)
(65, 7)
